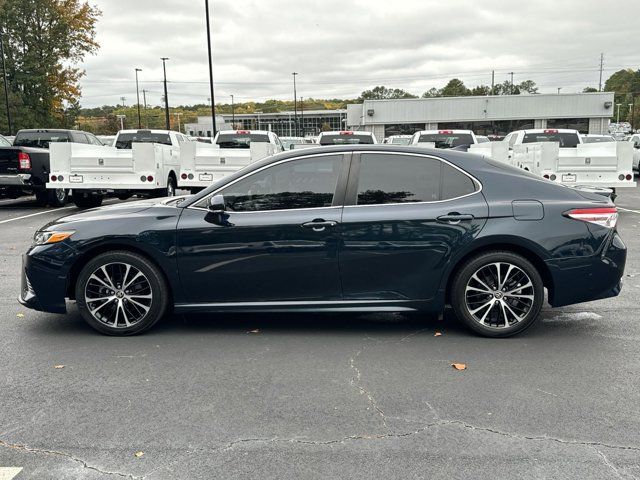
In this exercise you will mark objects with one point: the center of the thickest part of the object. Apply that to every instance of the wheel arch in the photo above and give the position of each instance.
(96, 250)
(503, 245)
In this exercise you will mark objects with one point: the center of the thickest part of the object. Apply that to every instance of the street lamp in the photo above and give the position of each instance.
(166, 96)
(213, 98)
(618, 114)
(138, 98)
(233, 113)
(144, 99)
(295, 103)
(630, 114)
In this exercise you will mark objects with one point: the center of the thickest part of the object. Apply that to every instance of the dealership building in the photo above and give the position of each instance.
(486, 115)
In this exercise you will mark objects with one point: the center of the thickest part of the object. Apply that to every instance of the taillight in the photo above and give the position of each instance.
(605, 216)
(346, 132)
(183, 176)
(24, 161)
(54, 178)
(551, 131)
(150, 178)
(445, 132)
(629, 176)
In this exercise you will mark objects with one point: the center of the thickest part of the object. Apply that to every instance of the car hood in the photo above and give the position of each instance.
(109, 212)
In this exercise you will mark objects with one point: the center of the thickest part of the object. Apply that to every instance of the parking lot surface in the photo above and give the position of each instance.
(318, 396)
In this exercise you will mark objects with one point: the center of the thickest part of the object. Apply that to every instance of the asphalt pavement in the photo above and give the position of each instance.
(318, 396)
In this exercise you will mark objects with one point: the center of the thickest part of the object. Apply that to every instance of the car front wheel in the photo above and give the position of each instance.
(121, 293)
(497, 294)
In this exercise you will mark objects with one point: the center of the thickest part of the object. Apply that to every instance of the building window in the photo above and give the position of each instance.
(487, 127)
(402, 129)
(580, 124)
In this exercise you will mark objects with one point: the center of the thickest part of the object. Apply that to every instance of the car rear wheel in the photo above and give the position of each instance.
(121, 293)
(497, 294)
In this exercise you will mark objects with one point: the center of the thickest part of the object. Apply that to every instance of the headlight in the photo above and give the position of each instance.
(42, 238)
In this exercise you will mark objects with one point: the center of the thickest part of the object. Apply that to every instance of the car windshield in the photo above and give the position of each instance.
(447, 140)
(4, 142)
(346, 139)
(39, 139)
(125, 140)
(401, 141)
(566, 140)
(599, 139)
(241, 140)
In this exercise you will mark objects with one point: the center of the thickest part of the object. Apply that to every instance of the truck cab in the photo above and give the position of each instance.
(566, 138)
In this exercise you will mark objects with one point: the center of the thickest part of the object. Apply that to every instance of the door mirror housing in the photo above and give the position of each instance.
(216, 204)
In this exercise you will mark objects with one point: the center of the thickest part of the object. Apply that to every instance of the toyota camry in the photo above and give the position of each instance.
(374, 228)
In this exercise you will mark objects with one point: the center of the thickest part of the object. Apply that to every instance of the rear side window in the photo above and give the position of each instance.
(447, 140)
(39, 139)
(386, 179)
(347, 138)
(126, 140)
(566, 140)
(241, 140)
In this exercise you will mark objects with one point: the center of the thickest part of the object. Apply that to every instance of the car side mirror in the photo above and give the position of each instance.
(216, 204)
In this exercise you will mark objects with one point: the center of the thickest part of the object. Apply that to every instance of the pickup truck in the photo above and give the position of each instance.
(635, 141)
(25, 165)
(203, 163)
(140, 162)
(444, 138)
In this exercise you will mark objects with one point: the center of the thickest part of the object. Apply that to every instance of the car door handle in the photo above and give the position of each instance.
(455, 218)
(319, 225)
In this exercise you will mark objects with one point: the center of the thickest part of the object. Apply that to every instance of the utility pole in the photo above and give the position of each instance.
(633, 110)
(559, 88)
(493, 82)
(166, 96)
(233, 113)
(618, 115)
(511, 86)
(6, 84)
(213, 101)
(138, 98)
(146, 118)
(178, 114)
(121, 118)
(295, 103)
(601, 68)
(301, 117)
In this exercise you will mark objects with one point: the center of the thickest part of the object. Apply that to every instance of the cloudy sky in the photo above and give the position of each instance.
(342, 47)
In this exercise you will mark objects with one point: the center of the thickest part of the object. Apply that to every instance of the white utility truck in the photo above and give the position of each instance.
(203, 163)
(141, 162)
(634, 140)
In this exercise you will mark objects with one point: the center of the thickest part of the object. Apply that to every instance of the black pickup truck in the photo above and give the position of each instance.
(24, 166)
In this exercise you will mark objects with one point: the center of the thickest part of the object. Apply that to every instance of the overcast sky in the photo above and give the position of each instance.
(342, 47)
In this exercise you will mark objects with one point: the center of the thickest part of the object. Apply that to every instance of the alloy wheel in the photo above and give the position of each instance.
(118, 295)
(499, 295)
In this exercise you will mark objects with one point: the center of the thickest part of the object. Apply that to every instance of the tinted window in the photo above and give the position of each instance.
(400, 140)
(240, 140)
(125, 140)
(455, 183)
(346, 139)
(398, 179)
(79, 137)
(39, 139)
(447, 140)
(566, 140)
(307, 183)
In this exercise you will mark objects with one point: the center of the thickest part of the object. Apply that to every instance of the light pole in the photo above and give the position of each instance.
(6, 84)
(301, 117)
(233, 113)
(178, 114)
(144, 99)
(124, 99)
(559, 88)
(295, 103)
(166, 97)
(213, 98)
(138, 98)
(121, 118)
(618, 114)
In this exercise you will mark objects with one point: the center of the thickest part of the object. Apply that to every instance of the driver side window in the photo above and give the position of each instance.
(305, 183)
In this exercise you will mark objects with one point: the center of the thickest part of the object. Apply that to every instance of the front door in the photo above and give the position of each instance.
(278, 241)
(409, 214)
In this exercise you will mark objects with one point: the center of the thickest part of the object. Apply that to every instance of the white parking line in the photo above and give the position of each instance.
(8, 473)
(34, 214)
(628, 210)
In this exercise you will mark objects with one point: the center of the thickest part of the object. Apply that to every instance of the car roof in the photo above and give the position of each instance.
(549, 130)
(441, 130)
(146, 130)
(55, 130)
(341, 132)
(231, 132)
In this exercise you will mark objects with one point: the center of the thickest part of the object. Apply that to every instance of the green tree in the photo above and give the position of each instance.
(626, 86)
(432, 93)
(44, 41)
(382, 93)
(589, 90)
(455, 88)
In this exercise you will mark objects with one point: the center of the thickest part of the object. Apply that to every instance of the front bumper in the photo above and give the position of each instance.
(43, 285)
(585, 279)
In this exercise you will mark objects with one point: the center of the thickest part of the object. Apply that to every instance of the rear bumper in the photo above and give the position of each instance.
(577, 280)
(17, 180)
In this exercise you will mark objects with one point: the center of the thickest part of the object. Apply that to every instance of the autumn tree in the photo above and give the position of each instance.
(45, 40)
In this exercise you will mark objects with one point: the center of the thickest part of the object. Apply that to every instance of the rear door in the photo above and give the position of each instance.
(405, 216)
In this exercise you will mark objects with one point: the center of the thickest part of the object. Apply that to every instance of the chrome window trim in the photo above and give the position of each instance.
(269, 166)
(473, 179)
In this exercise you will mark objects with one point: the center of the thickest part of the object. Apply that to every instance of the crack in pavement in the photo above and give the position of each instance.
(355, 382)
(42, 451)
(615, 469)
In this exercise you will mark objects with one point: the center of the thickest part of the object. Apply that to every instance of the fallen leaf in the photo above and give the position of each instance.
(254, 331)
(20, 315)
(437, 334)
(459, 366)
(139, 454)
(58, 366)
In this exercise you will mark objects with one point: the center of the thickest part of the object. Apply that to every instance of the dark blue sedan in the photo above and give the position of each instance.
(351, 228)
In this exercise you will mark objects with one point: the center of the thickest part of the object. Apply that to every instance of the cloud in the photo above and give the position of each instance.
(343, 47)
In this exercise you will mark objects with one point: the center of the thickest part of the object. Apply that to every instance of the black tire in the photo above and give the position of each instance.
(58, 198)
(42, 197)
(169, 191)
(114, 263)
(87, 200)
(504, 304)
(124, 195)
